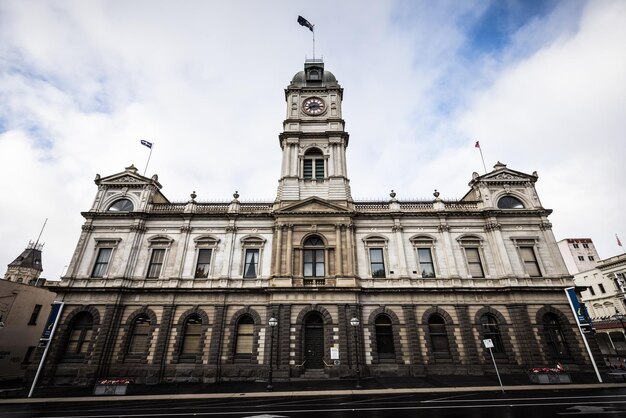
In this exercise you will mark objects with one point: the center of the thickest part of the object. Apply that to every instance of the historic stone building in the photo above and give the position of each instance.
(162, 292)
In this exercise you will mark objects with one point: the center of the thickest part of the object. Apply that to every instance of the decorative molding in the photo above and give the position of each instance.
(545, 225)
(493, 226)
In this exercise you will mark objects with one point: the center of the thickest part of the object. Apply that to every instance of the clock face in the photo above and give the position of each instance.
(313, 106)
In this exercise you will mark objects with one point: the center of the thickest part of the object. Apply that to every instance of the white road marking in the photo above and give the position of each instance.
(317, 411)
(522, 399)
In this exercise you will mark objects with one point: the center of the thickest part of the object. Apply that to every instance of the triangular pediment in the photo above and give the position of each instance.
(502, 174)
(313, 204)
(128, 177)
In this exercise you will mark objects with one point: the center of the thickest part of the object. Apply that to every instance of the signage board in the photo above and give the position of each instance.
(579, 309)
(52, 318)
(488, 343)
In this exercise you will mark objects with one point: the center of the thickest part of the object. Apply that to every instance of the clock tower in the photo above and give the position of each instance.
(314, 139)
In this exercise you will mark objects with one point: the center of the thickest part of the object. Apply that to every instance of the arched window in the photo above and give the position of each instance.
(314, 257)
(245, 337)
(491, 330)
(438, 336)
(554, 336)
(192, 332)
(139, 335)
(81, 332)
(384, 338)
(122, 205)
(510, 202)
(313, 164)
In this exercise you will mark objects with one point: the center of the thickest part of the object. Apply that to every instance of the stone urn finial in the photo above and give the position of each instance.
(392, 194)
(236, 195)
(436, 194)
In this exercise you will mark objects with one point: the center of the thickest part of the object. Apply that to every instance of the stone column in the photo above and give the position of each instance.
(448, 248)
(289, 250)
(525, 335)
(350, 249)
(467, 335)
(401, 256)
(279, 249)
(338, 261)
(162, 342)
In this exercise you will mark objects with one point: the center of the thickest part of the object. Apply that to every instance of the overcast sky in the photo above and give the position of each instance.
(541, 85)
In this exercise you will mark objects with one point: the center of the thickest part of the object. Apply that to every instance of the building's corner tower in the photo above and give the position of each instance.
(26, 268)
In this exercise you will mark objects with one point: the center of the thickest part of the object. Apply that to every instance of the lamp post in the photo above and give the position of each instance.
(273, 322)
(355, 324)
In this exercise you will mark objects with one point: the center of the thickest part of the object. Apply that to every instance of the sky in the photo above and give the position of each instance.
(540, 83)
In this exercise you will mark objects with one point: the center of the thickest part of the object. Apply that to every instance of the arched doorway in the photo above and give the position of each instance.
(314, 341)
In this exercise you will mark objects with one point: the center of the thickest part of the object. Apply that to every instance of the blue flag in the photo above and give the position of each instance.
(146, 143)
(303, 22)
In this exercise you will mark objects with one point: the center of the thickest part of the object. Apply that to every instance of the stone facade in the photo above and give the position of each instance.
(164, 292)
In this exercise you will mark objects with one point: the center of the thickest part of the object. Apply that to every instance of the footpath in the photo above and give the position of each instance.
(298, 388)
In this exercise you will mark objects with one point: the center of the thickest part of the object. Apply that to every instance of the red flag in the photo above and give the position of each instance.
(618, 241)
(477, 144)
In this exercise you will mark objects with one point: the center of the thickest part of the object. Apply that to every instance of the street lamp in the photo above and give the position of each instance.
(273, 322)
(355, 324)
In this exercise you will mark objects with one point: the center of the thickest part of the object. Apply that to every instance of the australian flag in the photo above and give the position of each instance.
(303, 22)
(146, 143)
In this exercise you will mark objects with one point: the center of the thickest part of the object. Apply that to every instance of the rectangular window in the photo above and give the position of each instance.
(79, 340)
(102, 262)
(308, 169)
(191, 339)
(156, 263)
(319, 169)
(204, 262)
(585, 245)
(474, 263)
(377, 262)
(250, 269)
(245, 338)
(34, 315)
(530, 261)
(581, 258)
(575, 245)
(593, 292)
(591, 258)
(425, 260)
(601, 286)
(313, 263)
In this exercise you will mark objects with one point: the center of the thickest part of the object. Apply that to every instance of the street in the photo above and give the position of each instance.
(545, 403)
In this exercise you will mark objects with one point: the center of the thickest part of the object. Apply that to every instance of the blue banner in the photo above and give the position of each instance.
(581, 313)
(52, 318)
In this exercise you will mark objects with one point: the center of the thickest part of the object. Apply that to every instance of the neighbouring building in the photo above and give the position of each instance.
(579, 254)
(183, 292)
(24, 309)
(605, 300)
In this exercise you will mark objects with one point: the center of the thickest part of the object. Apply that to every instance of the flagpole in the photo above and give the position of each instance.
(313, 30)
(148, 162)
(620, 243)
(482, 158)
(477, 145)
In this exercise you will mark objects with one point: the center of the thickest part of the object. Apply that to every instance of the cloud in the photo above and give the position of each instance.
(81, 83)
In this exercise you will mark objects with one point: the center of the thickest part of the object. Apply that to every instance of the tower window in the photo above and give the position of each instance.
(313, 165)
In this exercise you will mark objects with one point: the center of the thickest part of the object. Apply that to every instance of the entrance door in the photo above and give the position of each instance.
(314, 341)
